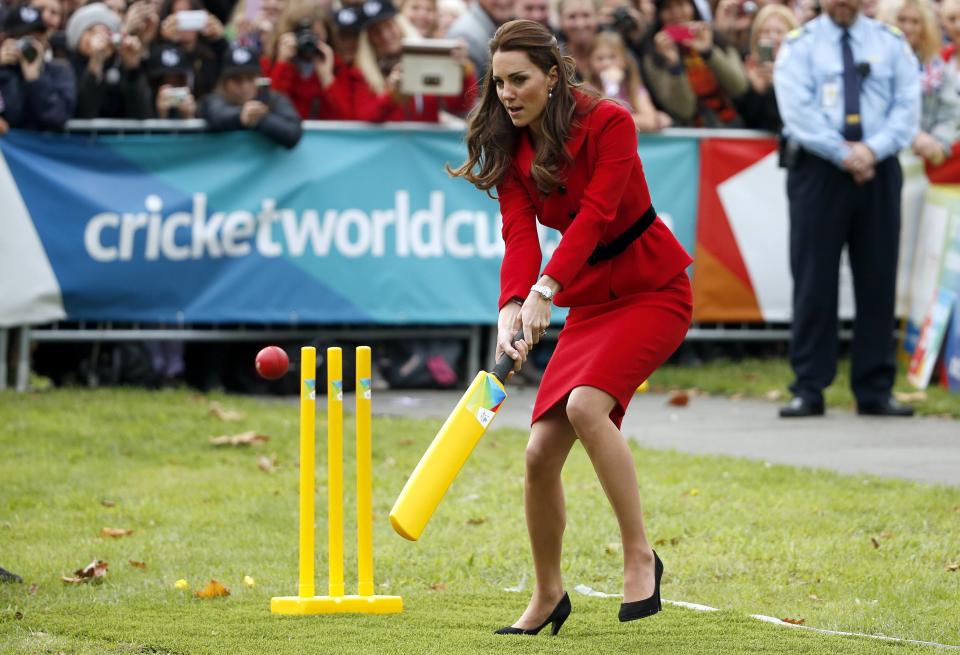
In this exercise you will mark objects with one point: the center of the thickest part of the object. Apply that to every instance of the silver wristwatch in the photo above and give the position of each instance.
(545, 292)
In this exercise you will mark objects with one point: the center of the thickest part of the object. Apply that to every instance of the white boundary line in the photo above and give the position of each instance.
(587, 591)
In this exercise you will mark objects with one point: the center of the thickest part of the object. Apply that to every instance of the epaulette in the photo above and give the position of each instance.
(795, 34)
(893, 29)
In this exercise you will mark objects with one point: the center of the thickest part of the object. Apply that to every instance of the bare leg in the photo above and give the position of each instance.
(550, 441)
(588, 409)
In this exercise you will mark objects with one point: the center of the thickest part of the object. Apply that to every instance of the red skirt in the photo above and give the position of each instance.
(616, 345)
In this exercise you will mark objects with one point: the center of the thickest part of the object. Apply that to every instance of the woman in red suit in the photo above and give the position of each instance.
(560, 156)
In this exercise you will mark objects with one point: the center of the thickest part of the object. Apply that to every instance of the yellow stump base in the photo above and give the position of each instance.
(299, 605)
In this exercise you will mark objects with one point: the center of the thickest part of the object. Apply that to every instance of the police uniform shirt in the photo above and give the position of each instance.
(808, 81)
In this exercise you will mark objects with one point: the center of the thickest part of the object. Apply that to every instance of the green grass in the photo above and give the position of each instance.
(759, 377)
(738, 535)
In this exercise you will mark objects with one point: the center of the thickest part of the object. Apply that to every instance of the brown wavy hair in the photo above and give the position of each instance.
(491, 136)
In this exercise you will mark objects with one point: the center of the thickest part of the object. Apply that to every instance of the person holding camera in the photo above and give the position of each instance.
(109, 66)
(199, 34)
(170, 78)
(301, 63)
(693, 77)
(376, 90)
(35, 94)
(758, 105)
(238, 103)
(51, 11)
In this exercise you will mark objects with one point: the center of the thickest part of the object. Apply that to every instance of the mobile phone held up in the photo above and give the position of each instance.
(765, 53)
(191, 21)
(680, 33)
(263, 89)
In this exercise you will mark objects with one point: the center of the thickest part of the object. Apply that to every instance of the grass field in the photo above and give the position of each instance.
(859, 554)
(761, 378)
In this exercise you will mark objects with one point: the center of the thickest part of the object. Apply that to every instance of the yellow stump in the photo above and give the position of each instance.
(335, 469)
(364, 475)
(308, 419)
(336, 603)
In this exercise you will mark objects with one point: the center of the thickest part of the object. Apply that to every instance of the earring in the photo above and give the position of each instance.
(550, 93)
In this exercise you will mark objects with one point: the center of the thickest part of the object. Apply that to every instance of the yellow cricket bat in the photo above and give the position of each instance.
(450, 449)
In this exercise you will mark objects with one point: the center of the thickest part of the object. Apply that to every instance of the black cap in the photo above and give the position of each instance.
(167, 60)
(358, 17)
(240, 60)
(350, 19)
(23, 20)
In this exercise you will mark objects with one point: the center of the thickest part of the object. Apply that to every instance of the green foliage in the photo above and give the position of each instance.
(739, 535)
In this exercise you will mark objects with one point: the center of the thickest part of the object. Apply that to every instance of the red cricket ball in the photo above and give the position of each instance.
(272, 362)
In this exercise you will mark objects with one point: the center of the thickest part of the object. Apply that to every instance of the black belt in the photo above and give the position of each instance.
(610, 250)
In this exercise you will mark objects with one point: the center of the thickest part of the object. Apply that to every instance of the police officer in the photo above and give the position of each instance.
(848, 90)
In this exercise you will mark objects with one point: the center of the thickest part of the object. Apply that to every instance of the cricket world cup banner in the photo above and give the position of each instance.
(352, 226)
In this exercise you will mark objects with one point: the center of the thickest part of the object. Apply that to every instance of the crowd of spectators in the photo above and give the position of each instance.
(681, 63)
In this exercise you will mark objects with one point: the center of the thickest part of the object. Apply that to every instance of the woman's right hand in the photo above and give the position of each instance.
(324, 64)
(508, 324)
(287, 47)
(667, 48)
(168, 28)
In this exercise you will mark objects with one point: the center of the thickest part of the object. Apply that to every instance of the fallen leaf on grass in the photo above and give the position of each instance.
(612, 548)
(794, 621)
(116, 533)
(953, 567)
(691, 492)
(910, 396)
(678, 398)
(216, 409)
(214, 589)
(886, 535)
(267, 464)
(137, 565)
(406, 442)
(477, 520)
(813, 597)
(673, 541)
(250, 582)
(33, 589)
(92, 571)
(108, 503)
(773, 394)
(439, 586)
(242, 439)
(18, 615)
(873, 540)
(181, 584)
(737, 397)
(957, 509)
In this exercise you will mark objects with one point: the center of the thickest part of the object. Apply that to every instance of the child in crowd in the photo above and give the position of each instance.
(615, 74)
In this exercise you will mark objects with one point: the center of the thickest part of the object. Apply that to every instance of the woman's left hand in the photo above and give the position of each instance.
(702, 40)
(535, 318)
(213, 30)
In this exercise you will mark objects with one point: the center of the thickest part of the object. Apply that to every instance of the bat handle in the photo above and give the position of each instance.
(505, 364)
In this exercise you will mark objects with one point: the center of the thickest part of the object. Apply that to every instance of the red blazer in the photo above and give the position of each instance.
(367, 105)
(604, 193)
(312, 101)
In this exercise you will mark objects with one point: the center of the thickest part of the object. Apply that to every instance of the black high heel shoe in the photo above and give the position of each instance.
(557, 617)
(640, 609)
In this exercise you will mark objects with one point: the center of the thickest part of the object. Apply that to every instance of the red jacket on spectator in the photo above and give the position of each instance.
(366, 105)
(312, 101)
